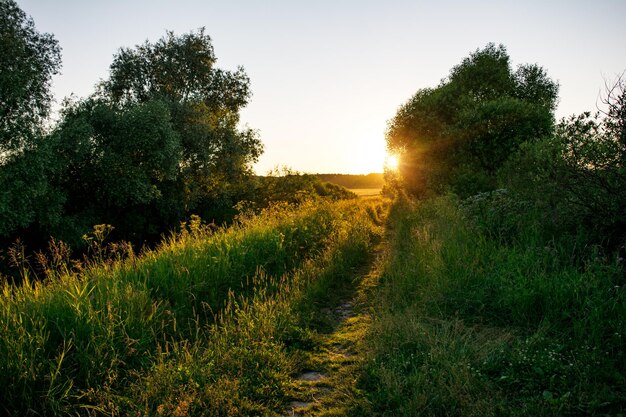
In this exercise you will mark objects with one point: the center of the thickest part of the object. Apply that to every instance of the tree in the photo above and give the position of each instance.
(158, 141)
(28, 59)
(458, 135)
(204, 103)
(117, 163)
(578, 174)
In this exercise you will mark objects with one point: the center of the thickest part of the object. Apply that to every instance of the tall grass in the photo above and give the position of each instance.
(200, 323)
(467, 325)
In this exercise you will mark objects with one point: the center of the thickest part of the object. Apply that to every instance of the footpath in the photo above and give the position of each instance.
(327, 385)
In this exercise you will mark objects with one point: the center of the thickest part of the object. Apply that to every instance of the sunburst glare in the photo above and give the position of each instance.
(391, 162)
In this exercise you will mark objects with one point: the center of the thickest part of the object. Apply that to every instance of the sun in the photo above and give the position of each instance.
(391, 162)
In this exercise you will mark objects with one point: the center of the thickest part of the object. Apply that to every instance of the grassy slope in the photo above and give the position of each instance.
(468, 326)
(203, 325)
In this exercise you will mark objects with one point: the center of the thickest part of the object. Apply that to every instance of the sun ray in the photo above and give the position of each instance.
(391, 162)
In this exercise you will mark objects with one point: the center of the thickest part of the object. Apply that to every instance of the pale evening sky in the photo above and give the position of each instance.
(326, 75)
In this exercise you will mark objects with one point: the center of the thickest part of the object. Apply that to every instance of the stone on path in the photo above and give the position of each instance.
(311, 376)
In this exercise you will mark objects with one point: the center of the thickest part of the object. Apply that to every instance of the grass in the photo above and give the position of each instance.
(209, 323)
(338, 351)
(450, 321)
(466, 325)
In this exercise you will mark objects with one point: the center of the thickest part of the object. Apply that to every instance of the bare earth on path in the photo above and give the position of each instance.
(327, 386)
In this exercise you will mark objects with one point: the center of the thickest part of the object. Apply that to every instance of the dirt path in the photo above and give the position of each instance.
(327, 386)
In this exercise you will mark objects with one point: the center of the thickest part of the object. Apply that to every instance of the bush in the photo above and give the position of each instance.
(578, 176)
(294, 188)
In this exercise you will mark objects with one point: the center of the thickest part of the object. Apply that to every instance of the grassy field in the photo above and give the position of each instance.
(447, 321)
(364, 192)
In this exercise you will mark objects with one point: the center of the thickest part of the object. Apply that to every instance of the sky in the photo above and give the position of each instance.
(327, 75)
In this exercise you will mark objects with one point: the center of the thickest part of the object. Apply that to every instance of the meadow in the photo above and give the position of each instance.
(222, 321)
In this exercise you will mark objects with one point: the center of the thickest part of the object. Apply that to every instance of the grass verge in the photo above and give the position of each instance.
(466, 325)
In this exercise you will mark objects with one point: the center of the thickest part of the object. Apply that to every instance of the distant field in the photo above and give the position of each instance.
(374, 180)
(365, 191)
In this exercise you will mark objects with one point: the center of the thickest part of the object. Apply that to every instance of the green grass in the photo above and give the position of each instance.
(466, 325)
(206, 324)
(450, 321)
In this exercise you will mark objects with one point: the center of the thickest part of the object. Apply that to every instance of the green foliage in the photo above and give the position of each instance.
(466, 325)
(494, 130)
(29, 60)
(159, 141)
(116, 164)
(577, 176)
(533, 85)
(199, 326)
(204, 104)
(179, 68)
(292, 187)
(457, 136)
(26, 195)
(484, 75)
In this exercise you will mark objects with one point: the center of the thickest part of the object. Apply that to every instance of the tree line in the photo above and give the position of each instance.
(372, 180)
(157, 140)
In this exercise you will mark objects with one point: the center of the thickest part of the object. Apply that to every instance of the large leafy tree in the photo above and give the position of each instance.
(204, 104)
(458, 135)
(158, 141)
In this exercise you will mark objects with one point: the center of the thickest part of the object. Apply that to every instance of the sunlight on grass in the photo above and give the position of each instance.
(364, 192)
(187, 324)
